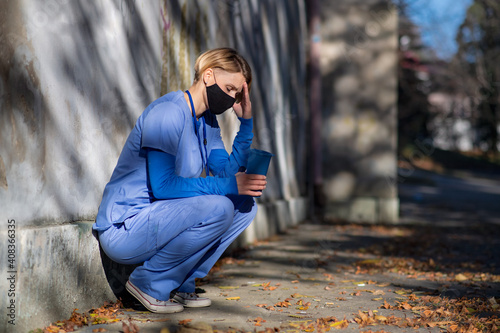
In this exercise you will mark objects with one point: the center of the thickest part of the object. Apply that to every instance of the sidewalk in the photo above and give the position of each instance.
(414, 277)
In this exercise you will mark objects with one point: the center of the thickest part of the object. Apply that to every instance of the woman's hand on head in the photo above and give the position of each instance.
(243, 109)
(249, 184)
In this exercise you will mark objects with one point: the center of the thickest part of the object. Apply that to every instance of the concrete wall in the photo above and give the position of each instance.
(359, 59)
(74, 76)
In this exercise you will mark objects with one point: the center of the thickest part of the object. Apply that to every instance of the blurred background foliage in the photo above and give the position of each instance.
(452, 102)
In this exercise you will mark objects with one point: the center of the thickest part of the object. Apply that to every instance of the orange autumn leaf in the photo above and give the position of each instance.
(103, 315)
(386, 305)
(328, 276)
(257, 321)
(428, 313)
(406, 306)
(283, 304)
(97, 330)
(185, 321)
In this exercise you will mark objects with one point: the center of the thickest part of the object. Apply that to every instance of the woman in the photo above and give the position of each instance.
(176, 200)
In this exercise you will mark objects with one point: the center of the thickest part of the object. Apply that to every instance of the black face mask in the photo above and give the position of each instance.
(218, 100)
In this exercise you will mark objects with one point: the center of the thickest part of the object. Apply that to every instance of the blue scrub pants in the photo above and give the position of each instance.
(177, 240)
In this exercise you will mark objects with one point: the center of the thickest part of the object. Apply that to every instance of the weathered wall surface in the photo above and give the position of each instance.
(359, 59)
(271, 36)
(74, 76)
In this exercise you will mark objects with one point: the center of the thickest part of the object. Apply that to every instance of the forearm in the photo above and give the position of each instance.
(165, 184)
(224, 165)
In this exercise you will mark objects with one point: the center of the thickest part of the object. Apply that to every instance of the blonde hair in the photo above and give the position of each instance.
(226, 59)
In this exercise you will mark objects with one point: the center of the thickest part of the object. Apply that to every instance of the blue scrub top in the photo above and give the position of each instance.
(165, 125)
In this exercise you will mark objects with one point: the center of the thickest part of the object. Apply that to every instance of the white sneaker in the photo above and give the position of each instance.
(192, 300)
(151, 303)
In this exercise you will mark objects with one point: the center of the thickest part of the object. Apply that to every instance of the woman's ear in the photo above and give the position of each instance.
(209, 72)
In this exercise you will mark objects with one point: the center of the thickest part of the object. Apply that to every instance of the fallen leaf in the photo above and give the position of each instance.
(386, 305)
(235, 298)
(403, 291)
(185, 321)
(460, 277)
(257, 321)
(328, 276)
(283, 304)
(340, 324)
(296, 316)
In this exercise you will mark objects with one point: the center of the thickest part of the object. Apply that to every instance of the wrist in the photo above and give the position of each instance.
(233, 185)
(246, 125)
(246, 121)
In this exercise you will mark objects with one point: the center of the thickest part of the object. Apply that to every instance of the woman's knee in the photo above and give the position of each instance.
(218, 207)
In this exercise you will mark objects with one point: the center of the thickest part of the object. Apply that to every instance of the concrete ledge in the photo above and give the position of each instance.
(273, 218)
(60, 268)
(365, 210)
